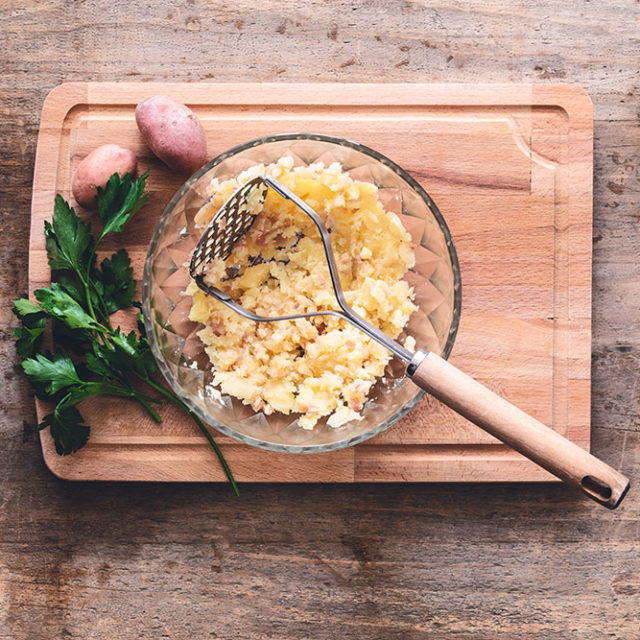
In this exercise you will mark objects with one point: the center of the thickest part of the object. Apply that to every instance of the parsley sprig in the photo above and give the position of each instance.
(79, 304)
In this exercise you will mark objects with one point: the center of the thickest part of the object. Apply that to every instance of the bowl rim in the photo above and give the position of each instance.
(146, 279)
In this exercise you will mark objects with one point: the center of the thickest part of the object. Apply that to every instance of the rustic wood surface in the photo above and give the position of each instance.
(467, 562)
(510, 166)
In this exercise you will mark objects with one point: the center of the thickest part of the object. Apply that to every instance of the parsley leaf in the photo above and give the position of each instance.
(101, 367)
(34, 321)
(115, 282)
(67, 430)
(79, 393)
(28, 338)
(68, 238)
(128, 352)
(58, 303)
(23, 308)
(75, 340)
(72, 284)
(119, 200)
(56, 372)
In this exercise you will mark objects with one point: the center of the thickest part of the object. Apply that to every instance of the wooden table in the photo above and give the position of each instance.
(472, 562)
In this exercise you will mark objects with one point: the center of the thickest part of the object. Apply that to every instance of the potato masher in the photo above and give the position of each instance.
(463, 394)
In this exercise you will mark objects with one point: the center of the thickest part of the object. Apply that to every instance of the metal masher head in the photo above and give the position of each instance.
(232, 222)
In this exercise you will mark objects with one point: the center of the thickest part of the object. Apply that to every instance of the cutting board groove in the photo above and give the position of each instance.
(510, 167)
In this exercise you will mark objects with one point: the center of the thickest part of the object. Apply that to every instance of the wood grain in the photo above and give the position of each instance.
(373, 562)
(513, 165)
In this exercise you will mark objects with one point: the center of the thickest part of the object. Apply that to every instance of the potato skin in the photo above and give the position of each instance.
(173, 132)
(97, 168)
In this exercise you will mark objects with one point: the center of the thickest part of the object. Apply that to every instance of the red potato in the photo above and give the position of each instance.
(173, 132)
(97, 168)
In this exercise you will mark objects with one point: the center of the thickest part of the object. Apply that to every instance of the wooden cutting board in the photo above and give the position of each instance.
(510, 167)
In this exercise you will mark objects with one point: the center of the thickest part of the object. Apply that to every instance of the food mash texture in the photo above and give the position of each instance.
(318, 366)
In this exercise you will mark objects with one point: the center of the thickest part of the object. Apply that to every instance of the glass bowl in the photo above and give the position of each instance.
(180, 354)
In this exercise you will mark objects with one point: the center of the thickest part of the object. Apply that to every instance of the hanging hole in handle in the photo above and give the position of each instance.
(598, 489)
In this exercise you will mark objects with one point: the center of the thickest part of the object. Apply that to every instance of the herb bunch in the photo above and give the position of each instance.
(79, 303)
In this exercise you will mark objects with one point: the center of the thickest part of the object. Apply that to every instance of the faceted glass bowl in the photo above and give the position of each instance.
(180, 354)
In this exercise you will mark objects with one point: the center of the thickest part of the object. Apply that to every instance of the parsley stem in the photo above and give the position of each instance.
(203, 428)
(87, 294)
(104, 311)
(150, 410)
(148, 398)
(87, 289)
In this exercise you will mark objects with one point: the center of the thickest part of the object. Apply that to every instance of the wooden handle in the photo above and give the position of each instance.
(525, 434)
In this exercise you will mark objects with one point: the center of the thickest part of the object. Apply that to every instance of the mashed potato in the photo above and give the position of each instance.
(318, 366)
